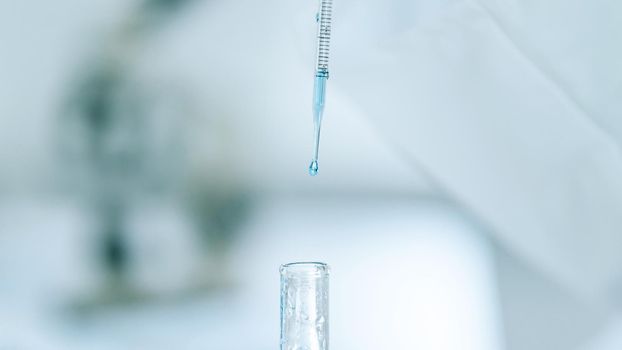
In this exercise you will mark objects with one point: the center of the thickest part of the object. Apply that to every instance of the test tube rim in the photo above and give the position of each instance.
(305, 268)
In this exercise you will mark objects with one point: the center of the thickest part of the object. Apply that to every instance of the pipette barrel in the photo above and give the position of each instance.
(324, 19)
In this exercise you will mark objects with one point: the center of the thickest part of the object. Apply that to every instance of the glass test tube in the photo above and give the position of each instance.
(304, 306)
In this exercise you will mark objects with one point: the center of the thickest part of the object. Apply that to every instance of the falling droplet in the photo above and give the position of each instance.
(313, 168)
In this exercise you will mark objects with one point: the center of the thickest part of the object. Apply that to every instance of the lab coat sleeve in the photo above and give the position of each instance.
(463, 98)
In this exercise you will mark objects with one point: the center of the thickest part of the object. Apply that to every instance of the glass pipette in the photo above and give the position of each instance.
(324, 19)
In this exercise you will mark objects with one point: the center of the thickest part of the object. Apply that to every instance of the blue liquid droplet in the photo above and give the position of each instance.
(313, 168)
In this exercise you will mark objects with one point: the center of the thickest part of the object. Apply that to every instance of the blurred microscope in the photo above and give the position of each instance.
(159, 230)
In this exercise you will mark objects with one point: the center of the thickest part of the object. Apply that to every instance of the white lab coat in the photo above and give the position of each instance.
(514, 109)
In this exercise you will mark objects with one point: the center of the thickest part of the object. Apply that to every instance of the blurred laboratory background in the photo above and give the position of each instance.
(153, 173)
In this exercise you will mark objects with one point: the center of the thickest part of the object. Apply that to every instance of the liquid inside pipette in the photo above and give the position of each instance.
(313, 167)
(319, 96)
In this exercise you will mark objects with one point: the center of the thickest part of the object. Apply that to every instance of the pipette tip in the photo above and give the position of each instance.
(313, 168)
